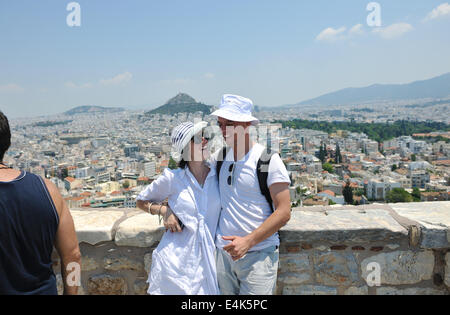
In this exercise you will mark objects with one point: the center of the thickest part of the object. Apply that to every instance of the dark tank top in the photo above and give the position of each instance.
(28, 225)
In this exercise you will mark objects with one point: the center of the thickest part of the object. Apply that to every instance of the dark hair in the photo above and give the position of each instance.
(182, 164)
(5, 135)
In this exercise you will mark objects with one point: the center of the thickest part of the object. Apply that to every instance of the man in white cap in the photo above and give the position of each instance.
(247, 238)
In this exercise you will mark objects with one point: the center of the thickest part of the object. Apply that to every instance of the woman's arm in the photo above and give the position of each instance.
(150, 200)
(171, 221)
(152, 207)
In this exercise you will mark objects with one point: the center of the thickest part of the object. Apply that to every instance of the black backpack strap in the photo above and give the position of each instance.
(262, 171)
(220, 160)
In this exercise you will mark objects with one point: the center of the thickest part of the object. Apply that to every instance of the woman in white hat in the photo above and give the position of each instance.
(184, 263)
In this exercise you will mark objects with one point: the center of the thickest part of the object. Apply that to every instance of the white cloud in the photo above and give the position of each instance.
(72, 85)
(209, 75)
(118, 79)
(441, 11)
(393, 31)
(356, 30)
(11, 88)
(331, 35)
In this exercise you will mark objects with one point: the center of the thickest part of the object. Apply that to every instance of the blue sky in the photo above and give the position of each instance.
(139, 53)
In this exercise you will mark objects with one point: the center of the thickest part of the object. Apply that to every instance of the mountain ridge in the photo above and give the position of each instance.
(181, 103)
(436, 87)
(84, 109)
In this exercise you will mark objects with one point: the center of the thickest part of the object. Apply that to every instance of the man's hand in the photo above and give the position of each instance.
(171, 221)
(238, 247)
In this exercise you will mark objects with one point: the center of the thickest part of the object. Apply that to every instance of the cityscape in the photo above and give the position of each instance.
(103, 157)
(353, 95)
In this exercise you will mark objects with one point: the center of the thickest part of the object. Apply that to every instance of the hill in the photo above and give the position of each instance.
(92, 109)
(182, 103)
(438, 87)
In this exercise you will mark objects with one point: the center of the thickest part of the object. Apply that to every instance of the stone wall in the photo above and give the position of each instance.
(324, 250)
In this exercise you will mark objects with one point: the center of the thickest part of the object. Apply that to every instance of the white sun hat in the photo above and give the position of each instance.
(236, 108)
(182, 135)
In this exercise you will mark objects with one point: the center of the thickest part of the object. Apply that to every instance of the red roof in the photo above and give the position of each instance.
(442, 162)
(329, 192)
(69, 179)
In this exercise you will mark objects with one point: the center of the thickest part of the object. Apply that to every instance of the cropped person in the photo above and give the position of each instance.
(33, 219)
(184, 263)
(255, 205)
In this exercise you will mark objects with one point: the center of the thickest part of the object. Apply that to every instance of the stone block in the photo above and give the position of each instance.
(95, 226)
(434, 219)
(295, 268)
(392, 246)
(120, 262)
(88, 263)
(342, 227)
(294, 278)
(148, 262)
(409, 291)
(105, 284)
(309, 290)
(140, 287)
(401, 267)
(447, 269)
(142, 230)
(357, 291)
(335, 268)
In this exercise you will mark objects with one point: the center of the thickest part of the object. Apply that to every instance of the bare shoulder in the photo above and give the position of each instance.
(51, 187)
(55, 194)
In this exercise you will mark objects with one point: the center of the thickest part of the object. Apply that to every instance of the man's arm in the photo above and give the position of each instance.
(239, 246)
(66, 242)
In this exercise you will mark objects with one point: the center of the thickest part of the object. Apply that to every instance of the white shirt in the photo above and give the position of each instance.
(184, 263)
(244, 207)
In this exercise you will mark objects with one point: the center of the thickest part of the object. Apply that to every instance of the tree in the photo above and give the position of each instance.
(126, 184)
(413, 157)
(394, 167)
(416, 194)
(322, 153)
(172, 164)
(398, 195)
(338, 155)
(348, 193)
(328, 167)
(64, 172)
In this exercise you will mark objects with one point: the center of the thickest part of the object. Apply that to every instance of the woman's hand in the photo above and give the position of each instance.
(171, 221)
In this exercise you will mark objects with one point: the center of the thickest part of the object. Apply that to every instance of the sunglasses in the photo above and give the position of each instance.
(199, 139)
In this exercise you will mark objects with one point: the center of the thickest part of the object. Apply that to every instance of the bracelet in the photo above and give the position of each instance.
(150, 207)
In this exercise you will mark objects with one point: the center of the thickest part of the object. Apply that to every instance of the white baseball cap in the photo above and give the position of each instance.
(236, 108)
(182, 135)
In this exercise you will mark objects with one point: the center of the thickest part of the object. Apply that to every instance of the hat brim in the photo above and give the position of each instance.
(235, 116)
(197, 128)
